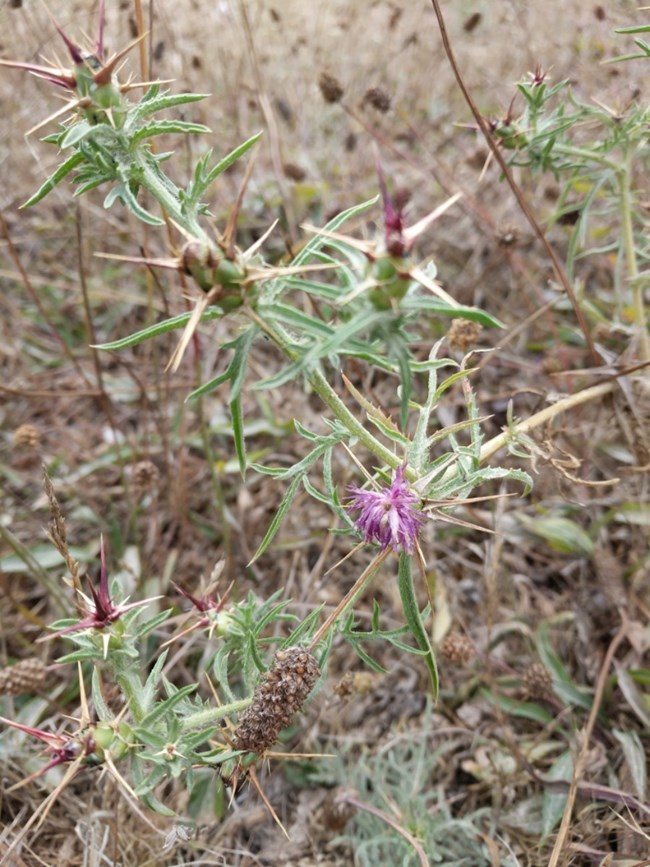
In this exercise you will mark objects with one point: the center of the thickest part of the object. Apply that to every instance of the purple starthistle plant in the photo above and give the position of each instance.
(388, 517)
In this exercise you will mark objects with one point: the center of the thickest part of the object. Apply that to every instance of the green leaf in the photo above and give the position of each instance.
(122, 192)
(162, 708)
(524, 709)
(283, 508)
(553, 803)
(159, 328)
(414, 619)
(237, 417)
(46, 557)
(635, 759)
(638, 700)
(150, 103)
(425, 304)
(318, 241)
(75, 134)
(236, 370)
(563, 685)
(55, 178)
(228, 160)
(162, 127)
(562, 534)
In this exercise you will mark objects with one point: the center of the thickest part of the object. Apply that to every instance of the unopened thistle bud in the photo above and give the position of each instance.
(277, 699)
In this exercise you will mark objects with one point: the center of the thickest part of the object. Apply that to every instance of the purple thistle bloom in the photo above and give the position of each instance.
(388, 517)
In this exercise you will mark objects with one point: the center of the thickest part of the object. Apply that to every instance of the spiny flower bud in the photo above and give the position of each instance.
(277, 699)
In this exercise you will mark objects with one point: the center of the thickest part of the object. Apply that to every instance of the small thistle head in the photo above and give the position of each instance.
(388, 517)
(463, 334)
(457, 649)
(330, 88)
(99, 609)
(377, 98)
(538, 682)
(26, 436)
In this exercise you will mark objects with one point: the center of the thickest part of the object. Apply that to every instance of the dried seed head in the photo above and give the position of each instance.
(25, 676)
(294, 172)
(330, 87)
(277, 699)
(145, 476)
(538, 682)
(463, 334)
(378, 98)
(457, 649)
(26, 437)
(354, 683)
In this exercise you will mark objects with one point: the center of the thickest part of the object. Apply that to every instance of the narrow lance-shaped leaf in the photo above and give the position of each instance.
(124, 194)
(278, 518)
(162, 127)
(228, 160)
(158, 103)
(237, 418)
(151, 331)
(55, 178)
(414, 619)
(235, 371)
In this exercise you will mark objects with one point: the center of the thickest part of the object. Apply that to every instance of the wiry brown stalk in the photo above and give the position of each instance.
(558, 268)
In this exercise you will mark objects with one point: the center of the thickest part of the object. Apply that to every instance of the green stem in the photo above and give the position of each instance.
(627, 232)
(208, 716)
(154, 182)
(326, 393)
(349, 598)
(586, 156)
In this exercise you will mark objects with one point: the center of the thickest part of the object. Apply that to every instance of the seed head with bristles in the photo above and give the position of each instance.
(277, 699)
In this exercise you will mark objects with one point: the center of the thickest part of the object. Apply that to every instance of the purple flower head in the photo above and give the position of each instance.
(388, 517)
